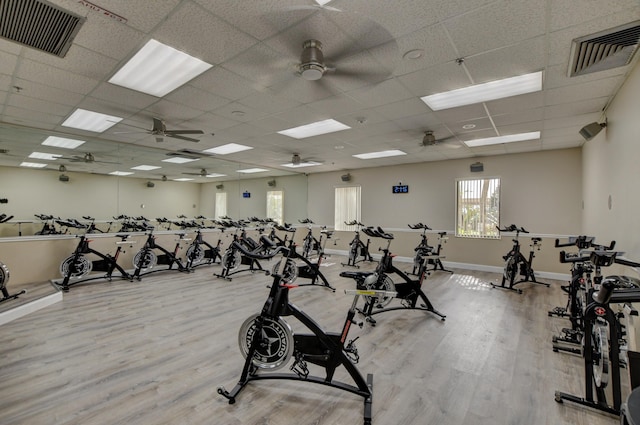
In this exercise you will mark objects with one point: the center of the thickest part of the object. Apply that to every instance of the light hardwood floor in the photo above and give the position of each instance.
(154, 352)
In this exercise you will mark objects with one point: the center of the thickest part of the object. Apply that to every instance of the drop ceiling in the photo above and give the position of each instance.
(252, 91)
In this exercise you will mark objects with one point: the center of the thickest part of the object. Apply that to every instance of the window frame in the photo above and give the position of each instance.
(278, 219)
(342, 213)
(490, 226)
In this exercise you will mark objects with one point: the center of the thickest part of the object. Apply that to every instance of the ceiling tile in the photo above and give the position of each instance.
(519, 117)
(117, 94)
(399, 17)
(513, 104)
(436, 79)
(224, 83)
(566, 13)
(522, 58)
(432, 40)
(478, 31)
(41, 73)
(577, 92)
(576, 108)
(388, 91)
(198, 32)
(196, 98)
(78, 60)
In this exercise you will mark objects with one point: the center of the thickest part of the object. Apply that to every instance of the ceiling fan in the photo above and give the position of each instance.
(202, 173)
(312, 65)
(87, 158)
(159, 130)
(429, 139)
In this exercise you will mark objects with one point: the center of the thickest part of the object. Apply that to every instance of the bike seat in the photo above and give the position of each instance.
(267, 242)
(355, 275)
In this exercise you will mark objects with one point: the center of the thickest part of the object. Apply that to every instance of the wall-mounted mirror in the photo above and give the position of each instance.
(166, 180)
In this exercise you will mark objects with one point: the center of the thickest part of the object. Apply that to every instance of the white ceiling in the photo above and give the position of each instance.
(251, 92)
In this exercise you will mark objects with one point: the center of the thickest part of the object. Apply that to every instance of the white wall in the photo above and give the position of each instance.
(541, 191)
(611, 167)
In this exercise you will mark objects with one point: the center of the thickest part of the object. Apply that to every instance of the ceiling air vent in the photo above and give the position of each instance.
(38, 24)
(604, 50)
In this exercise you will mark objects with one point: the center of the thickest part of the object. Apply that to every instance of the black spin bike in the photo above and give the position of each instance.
(268, 343)
(201, 252)
(602, 336)
(515, 262)
(582, 269)
(75, 268)
(300, 266)
(357, 248)
(427, 254)
(4, 279)
(409, 291)
(310, 244)
(236, 254)
(146, 259)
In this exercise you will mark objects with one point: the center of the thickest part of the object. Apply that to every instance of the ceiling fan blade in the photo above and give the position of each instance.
(168, 132)
(189, 139)
(158, 125)
(130, 125)
(365, 75)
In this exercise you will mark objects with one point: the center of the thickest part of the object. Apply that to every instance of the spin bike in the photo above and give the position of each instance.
(310, 243)
(409, 291)
(306, 269)
(4, 278)
(427, 254)
(245, 251)
(581, 271)
(515, 260)
(356, 247)
(201, 249)
(77, 266)
(600, 345)
(268, 343)
(146, 258)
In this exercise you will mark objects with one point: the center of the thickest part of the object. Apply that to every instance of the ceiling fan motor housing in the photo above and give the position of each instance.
(312, 61)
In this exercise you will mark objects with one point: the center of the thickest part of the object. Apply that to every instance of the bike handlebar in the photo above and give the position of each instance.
(512, 228)
(419, 226)
(237, 245)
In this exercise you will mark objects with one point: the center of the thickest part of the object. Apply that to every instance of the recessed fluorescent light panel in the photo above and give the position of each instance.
(252, 170)
(182, 179)
(227, 149)
(381, 154)
(215, 175)
(91, 121)
(314, 129)
(485, 92)
(43, 155)
(179, 160)
(120, 173)
(322, 2)
(145, 167)
(301, 164)
(62, 142)
(503, 139)
(158, 69)
(32, 164)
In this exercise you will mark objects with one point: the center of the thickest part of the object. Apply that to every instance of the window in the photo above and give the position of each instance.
(478, 208)
(275, 205)
(221, 205)
(347, 206)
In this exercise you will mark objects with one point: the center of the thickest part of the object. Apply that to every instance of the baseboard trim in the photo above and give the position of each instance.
(24, 309)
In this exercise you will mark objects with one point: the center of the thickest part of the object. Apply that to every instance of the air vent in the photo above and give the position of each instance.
(38, 24)
(604, 50)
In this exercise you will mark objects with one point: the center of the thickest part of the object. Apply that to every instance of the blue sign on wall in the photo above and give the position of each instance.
(246, 195)
(401, 189)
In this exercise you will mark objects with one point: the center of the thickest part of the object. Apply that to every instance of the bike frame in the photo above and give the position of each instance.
(110, 262)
